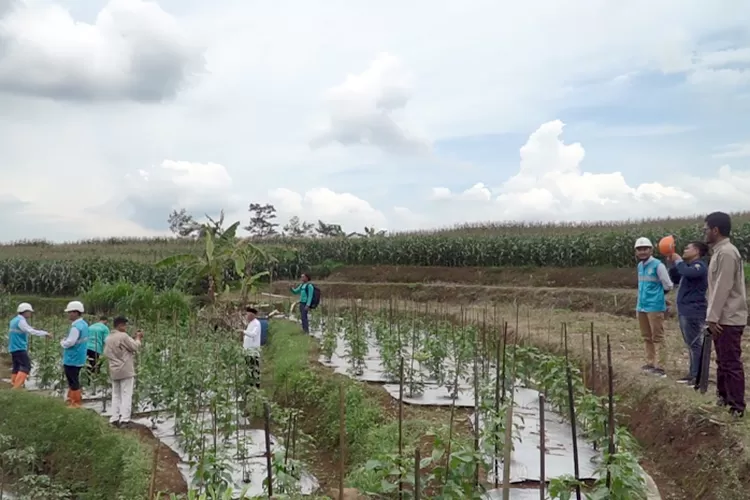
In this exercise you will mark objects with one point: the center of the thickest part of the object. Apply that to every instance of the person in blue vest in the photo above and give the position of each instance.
(18, 344)
(74, 352)
(653, 283)
(305, 291)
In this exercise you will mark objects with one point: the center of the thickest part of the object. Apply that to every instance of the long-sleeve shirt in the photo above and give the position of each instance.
(98, 333)
(24, 326)
(692, 278)
(120, 349)
(72, 338)
(305, 292)
(727, 298)
(251, 336)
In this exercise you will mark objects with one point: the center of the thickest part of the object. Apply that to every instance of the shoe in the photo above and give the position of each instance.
(659, 372)
(686, 380)
(647, 368)
(20, 380)
(720, 402)
(736, 413)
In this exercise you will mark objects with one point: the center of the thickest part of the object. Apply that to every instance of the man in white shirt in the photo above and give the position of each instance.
(251, 345)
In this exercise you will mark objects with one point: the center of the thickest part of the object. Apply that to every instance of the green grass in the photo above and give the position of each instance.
(79, 449)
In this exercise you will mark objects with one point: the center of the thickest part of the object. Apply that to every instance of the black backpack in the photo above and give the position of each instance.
(315, 297)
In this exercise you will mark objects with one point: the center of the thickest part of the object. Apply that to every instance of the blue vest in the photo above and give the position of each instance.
(76, 355)
(18, 340)
(650, 288)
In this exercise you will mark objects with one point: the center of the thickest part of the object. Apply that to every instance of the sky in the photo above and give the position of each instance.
(390, 114)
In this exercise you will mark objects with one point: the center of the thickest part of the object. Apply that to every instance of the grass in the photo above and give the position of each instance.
(78, 448)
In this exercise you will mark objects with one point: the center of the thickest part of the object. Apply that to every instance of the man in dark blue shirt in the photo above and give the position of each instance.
(691, 272)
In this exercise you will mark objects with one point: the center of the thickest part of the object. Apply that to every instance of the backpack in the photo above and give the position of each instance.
(315, 297)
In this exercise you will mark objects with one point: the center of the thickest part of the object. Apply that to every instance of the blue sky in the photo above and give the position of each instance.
(387, 114)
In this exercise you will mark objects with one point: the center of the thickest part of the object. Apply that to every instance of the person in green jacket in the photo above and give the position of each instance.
(305, 292)
(98, 333)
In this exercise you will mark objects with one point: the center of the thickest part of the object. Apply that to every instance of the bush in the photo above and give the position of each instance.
(78, 449)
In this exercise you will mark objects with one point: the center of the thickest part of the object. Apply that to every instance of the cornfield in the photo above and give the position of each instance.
(40, 272)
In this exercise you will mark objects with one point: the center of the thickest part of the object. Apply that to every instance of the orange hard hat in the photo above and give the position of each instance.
(666, 245)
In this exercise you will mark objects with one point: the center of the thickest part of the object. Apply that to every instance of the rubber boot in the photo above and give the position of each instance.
(20, 380)
(77, 397)
(13, 378)
(69, 398)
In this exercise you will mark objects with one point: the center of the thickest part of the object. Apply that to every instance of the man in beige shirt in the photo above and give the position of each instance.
(727, 311)
(120, 350)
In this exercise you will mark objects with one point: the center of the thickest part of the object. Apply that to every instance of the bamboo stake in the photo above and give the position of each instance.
(417, 470)
(400, 428)
(342, 440)
(269, 465)
(542, 448)
(611, 416)
(571, 405)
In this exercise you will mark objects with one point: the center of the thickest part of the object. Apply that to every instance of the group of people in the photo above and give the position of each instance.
(83, 344)
(711, 297)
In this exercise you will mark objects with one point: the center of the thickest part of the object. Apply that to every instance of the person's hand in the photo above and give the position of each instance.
(139, 334)
(715, 329)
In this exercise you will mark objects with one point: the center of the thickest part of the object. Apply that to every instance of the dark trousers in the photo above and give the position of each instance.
(252, 359)
(730, 374)
(93, 361)
(73, 376)
(303, 310)
(692, 334)
(20, 362)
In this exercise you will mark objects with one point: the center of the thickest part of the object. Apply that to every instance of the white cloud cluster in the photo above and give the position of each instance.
(324, 204)
(134, 50)
(551, 185)
(364, 110)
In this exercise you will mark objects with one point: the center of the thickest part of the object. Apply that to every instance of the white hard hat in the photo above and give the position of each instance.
(24, 307)
(643, 242)
(74, 306)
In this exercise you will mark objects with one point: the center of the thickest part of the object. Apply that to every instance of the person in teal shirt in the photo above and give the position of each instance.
(74, 352)
(98, 333)
(305, 292)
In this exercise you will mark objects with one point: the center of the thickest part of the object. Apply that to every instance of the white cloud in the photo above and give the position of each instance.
(133, 50)
(322, 203)
(364, 109)
(551, 185)
(736, 150)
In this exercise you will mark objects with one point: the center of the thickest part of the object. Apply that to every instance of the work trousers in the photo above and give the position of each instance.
(73, 376)
(730, 372)
(122, 400)
(652, 331)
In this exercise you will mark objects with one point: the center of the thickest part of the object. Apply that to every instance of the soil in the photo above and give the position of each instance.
(575, 277)
(613, 301)
(168, 477)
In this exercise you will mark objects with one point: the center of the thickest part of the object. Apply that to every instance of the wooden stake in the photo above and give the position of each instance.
(611, 416)
(269, 465)
(152, 486)
(571, 406)
(417, 462)
(342, 440)
(542, 448)
(400, 429)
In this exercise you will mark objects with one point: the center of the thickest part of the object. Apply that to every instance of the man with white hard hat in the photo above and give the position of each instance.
(74, 352)
(653, 283)
(18, 344)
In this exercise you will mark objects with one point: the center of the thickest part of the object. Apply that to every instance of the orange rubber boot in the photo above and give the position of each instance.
(12, 378)
(69, 398)
(20, 380)
(77, 398)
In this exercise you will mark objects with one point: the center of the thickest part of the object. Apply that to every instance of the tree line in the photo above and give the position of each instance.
(262, 225)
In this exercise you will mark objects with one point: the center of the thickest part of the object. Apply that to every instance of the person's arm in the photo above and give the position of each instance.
(717, 300)
(131, 345)
(24, 326)
(694, 270)
(297, 289)
(663, 274)
(253, 331)
(310, 291)
(674, 275)
(71, 339)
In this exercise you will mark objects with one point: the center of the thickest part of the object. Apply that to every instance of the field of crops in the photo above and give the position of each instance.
(42, 268)
(203, 410)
